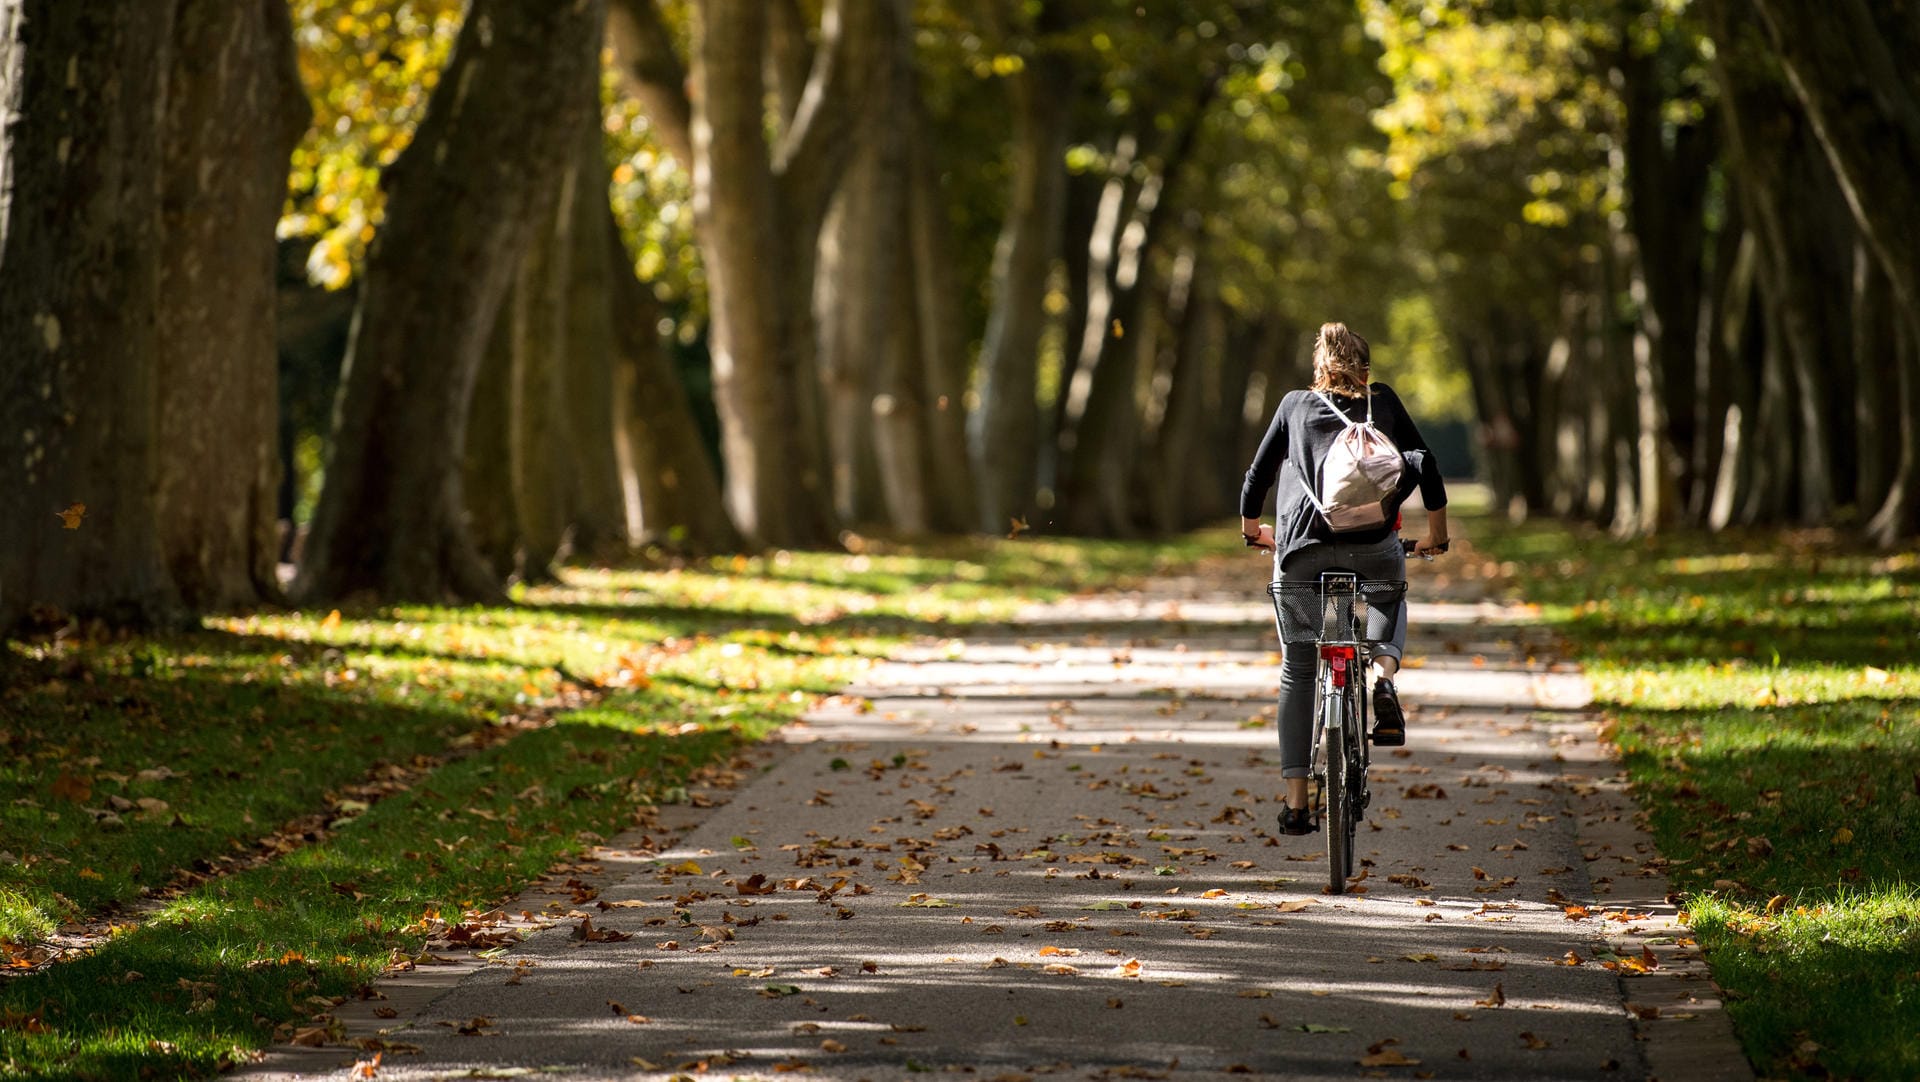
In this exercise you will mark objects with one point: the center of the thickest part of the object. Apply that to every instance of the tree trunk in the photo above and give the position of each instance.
(1667, 187)
(1899, 514)
(678, 491)
(1127, 228)
(492, 515)
(501, 126)
(231, 126)
(1847, 63)
(1806, 246)
(540, 437)
(759, 216)
(942, 329)
(1002, 435)
(599, 509)
(79, 307)
(852, 300)
(10, 12)
(1876, 351)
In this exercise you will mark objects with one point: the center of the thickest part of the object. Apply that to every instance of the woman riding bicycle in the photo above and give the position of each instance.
(1304, 428)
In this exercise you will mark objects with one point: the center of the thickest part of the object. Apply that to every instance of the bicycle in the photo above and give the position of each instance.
(1331, 616)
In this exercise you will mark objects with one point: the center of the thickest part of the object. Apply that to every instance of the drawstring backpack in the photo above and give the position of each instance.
(1361, 469)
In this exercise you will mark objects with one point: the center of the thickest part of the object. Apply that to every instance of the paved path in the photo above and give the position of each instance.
(1050, 853)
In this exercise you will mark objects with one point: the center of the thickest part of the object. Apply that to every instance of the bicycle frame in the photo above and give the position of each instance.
(1340, 749)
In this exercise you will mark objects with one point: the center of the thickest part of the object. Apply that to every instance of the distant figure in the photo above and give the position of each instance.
(1305, 428)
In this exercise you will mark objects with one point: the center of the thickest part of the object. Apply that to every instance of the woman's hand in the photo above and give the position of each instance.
(1257, 534)
(1436, 537)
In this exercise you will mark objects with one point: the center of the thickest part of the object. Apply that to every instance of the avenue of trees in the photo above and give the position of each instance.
(425, 296)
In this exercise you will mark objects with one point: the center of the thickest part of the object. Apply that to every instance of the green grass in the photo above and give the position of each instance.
(1764, 690)
(297, 793)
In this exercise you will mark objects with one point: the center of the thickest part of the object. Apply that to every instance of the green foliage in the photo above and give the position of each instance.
(369, 67)
(1762, 690)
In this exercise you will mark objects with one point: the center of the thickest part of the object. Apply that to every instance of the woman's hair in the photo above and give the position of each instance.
(1340, 360)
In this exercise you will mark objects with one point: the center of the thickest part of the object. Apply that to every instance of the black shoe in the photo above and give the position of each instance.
(1390, 724)
(1297, 821)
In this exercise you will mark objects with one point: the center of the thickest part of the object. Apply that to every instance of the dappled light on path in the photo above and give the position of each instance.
(1052, 851)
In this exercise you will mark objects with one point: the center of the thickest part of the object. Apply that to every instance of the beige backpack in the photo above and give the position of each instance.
(1362, 468)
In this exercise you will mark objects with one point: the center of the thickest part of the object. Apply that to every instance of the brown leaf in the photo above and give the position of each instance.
(73, 787)
(70, 518)
(1495, 998)
(1533, 1042)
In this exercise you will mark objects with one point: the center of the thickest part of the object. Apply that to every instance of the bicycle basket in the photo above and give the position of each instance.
(1326, 612)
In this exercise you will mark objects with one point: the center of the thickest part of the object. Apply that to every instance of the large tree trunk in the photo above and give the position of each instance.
(231, 126)
(759, 210)
(1876, 409)
(79, 307)
(678, 490)
(492, 515)
(500, 129)
(1846, 62)
(869, 323)
(1127, 228)
(1806, 248)
(10, 11)
(541, 460)
(601, 529)
(1668, 169)
(942, 330)
(1002, 434)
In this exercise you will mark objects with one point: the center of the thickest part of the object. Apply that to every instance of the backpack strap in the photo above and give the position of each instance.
(1340, 413)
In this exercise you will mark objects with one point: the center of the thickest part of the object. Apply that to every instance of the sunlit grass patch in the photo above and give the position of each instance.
(1764, 691)
(373, 766)
(1830, 988)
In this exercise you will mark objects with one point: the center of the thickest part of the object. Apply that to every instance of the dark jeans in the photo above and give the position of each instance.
(1386, 625)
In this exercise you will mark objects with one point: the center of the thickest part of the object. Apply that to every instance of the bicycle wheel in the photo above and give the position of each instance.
(1338, 825)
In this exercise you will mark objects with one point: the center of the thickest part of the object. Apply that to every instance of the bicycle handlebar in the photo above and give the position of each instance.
(1409, 546)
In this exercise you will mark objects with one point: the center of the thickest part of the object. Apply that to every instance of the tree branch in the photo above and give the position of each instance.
(652, 71)
(789, 56)
(815, 150)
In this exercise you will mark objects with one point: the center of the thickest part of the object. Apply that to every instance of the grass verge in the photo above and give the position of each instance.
(268, 812)
(1764, 691)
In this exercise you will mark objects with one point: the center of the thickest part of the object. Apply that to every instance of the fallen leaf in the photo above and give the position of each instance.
(70, 518)
(367, 1068)
(1495, 998)
(1295, 905)
(1315, 1027)
(1533, 1042)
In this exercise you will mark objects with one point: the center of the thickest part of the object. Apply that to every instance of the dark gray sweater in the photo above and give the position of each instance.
(1297, 441)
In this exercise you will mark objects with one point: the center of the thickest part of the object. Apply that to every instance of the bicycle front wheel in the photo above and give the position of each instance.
(1338, 826)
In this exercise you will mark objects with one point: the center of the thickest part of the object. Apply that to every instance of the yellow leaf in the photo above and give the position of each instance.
(70, 518)
(686, 868)
(332, 621)
(1842, 836)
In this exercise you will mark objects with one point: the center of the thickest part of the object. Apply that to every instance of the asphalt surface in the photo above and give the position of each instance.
(1051, 852)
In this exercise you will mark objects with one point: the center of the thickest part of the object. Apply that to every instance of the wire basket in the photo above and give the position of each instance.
(1331, 611)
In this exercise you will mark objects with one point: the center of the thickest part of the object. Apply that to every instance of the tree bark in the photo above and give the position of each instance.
(941, 326)
(1899, 514)
(759, 211)
(235, 110)
(539, 435)
(678, 490)
(1667, 187)
(1846, 64)
(599, 509)
(493, 517)
(1875, 352)
(1806, 248)
(79, 306)
(1002, 434)
(500, 128)
(1128, 226)
(10, 12)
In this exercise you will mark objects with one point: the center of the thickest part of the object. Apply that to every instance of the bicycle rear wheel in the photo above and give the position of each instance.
(1339, 822)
